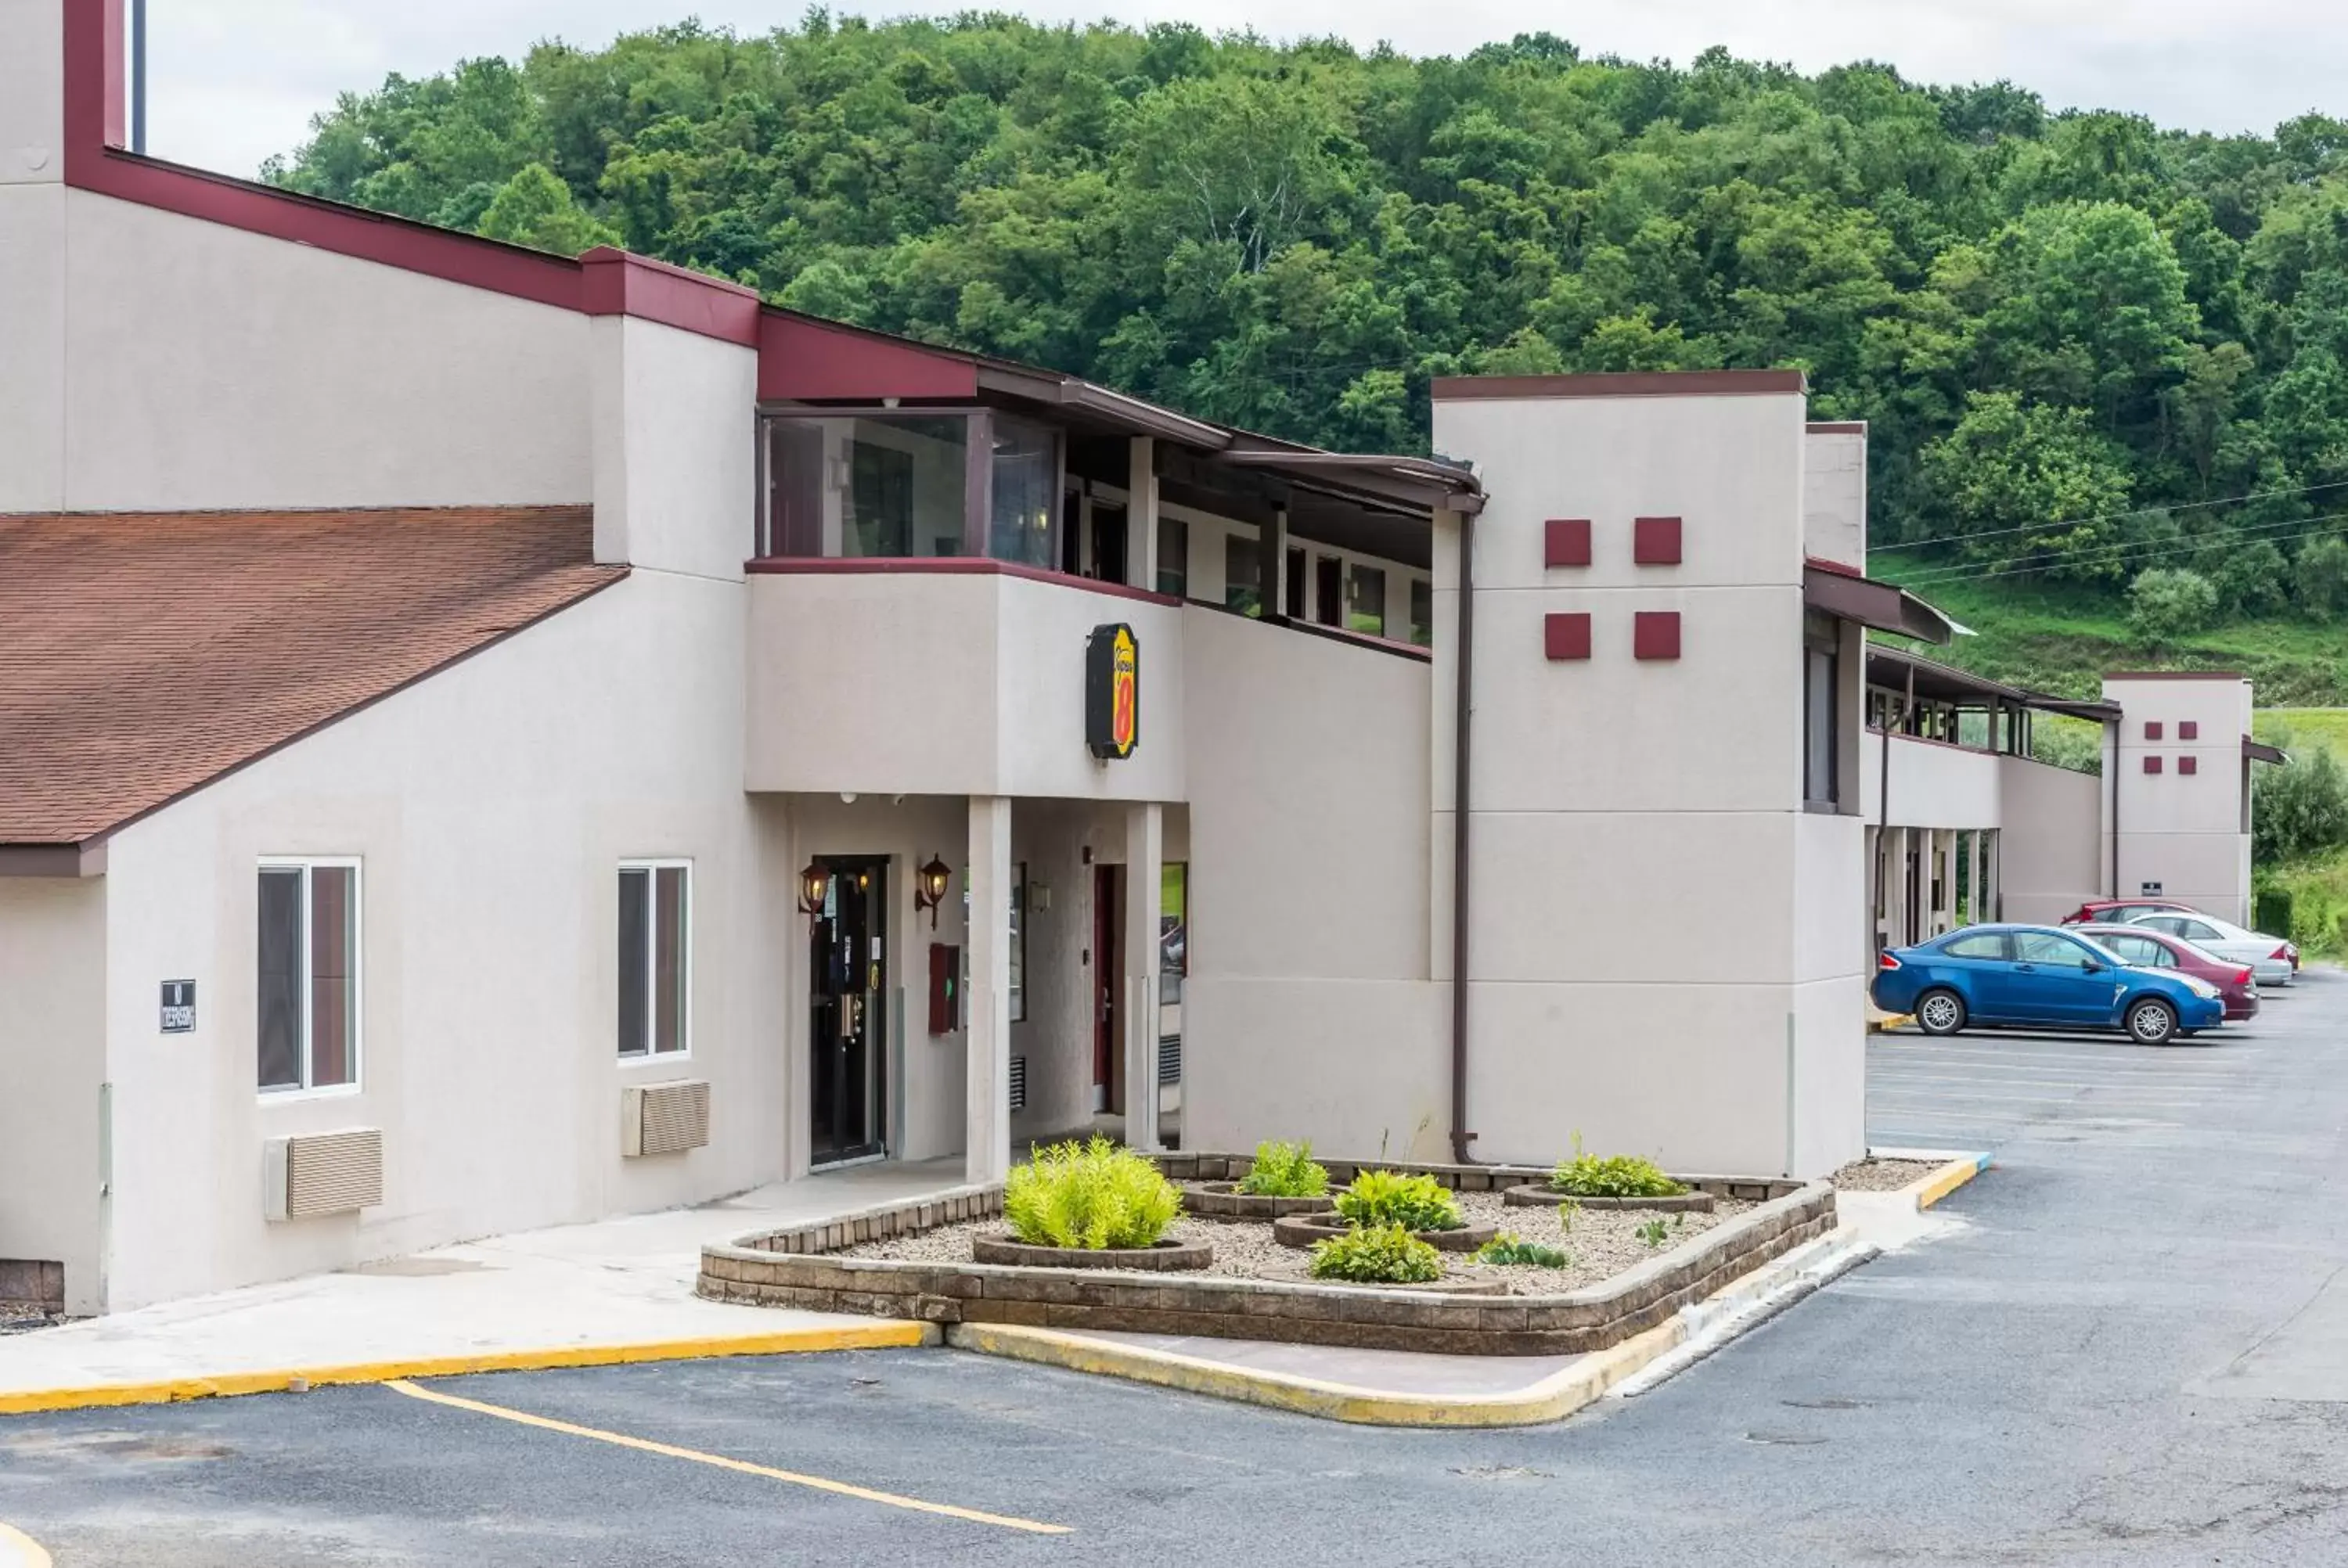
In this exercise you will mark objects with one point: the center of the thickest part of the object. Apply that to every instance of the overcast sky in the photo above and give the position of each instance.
(232, 81)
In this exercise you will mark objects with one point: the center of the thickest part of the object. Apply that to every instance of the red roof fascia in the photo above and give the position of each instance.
(801, 359)
(613, 282)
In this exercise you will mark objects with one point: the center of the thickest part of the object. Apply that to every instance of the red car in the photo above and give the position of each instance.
(2105, 911)
(2149, 949)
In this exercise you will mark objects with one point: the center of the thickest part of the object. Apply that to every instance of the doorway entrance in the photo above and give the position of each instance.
(1108, 979)
(847, 998)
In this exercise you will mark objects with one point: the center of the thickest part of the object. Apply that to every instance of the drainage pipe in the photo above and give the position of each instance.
(1464, 707)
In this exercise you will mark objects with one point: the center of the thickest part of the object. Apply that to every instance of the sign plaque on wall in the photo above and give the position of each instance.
(178, 1007)
(1112, 692)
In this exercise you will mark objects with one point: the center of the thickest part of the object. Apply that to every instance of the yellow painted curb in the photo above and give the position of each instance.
(1552, 1398)
(21, 1550)
(1888, 1022)
(876, 1336)
(1947, 1179)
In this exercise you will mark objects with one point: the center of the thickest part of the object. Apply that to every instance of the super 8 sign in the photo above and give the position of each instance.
(1112, 692)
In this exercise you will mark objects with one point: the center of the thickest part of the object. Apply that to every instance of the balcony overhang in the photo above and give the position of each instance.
(1846, 595)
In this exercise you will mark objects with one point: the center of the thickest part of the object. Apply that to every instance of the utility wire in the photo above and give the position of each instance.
(2303, 523)
(2103, 517)
(2121, 554)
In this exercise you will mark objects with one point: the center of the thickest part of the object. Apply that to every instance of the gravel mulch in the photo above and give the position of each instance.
(19, 1318)
(1883, 1175)
(1601, 1243)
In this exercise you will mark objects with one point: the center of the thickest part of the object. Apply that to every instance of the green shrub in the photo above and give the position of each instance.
(1391, 1198)
(2166, 604)
(1089, 1195)
(1653, 1233)
(1611, 1176)
(1285, 1171)
(1376, 1254)
(1507, 1248)
(2272, 912)
(2298, 811)
(2320, 577)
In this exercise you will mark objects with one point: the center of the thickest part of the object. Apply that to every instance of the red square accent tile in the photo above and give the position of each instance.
(2188, 764)
(1656, 541)
(1566, 636)
(1565, 541)
(2189, 729)
(2152, 730)
(1656, 634)
(2152, 764)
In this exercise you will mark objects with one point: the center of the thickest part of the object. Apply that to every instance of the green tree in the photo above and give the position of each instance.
(2027, 484)
(2320, 577)
(2166, 604)
(535, 209)
(2300, 810)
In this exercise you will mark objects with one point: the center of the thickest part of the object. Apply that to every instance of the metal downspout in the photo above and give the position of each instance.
(1460, 1136)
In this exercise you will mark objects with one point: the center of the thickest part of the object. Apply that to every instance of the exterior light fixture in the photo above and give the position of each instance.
(815, 881)
(930, 882)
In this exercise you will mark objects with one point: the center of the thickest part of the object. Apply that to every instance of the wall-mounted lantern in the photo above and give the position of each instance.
(815, 881)
(930, 882)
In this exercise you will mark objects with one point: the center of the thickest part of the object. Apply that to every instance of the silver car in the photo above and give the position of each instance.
(2274, 961)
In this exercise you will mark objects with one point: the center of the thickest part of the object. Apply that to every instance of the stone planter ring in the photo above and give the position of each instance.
(1536, 1196)
(1166, 1256)
(1224, 1200)
(1304, 1230)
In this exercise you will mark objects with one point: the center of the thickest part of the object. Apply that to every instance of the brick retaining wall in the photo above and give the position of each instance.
(790, 1268)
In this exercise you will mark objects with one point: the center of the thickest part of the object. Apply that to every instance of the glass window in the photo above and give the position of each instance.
(1019, 942)
(2050, 951)
(868, 486)
(2196, 931)
(1173, 930)
(1242, 574)
(1173, 557)
(1821, 685)
(1422, 612)
(1292, 585)
(1980, 945)
(308, 990)
(1365, 599)
(1026, 481)
(655, 958)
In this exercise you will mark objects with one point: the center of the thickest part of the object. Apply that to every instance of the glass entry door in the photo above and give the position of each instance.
(847, 968)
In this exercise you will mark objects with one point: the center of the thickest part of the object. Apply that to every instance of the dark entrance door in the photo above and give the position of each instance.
(1108, 971)
(1108, 542)
(1329, 591)
(848, 966)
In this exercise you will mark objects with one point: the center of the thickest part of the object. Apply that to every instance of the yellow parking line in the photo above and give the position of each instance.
(644, 1445)
(27, 1551)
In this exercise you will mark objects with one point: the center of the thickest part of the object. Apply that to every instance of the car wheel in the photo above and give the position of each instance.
(2152, 1021)
(1940, 1012)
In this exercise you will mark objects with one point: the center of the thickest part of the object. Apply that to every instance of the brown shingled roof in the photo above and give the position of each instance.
(144, 654)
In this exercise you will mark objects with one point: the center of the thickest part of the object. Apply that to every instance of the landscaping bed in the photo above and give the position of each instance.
(1872, 1176)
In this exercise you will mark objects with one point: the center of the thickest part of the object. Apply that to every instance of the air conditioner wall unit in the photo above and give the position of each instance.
(317, 1174)
(664, 1118)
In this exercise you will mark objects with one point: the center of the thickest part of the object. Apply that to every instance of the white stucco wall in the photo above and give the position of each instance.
(490, 805)
(216, 368)
(2188, 832)
(1933, 784)
(1834, 496)
(675, 448)
(53, 1001)
(2050, 839)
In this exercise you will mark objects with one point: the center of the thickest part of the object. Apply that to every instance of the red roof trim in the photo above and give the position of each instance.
(803, 360)
(942, 566)
(1837, 427)
(614, 283)
(1836, 566)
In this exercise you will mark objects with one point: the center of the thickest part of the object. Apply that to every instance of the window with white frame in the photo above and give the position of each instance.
(308, 991)
(656, 958)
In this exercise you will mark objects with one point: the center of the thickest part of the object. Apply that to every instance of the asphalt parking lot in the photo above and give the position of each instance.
(2134, 1351)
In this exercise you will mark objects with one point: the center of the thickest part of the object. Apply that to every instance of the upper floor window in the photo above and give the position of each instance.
(953, 482)
(1821, 707)
(1365, 599)
(1422, 612)
(1173, 556)
(308, 993)
(656, 958)
(1243, 574)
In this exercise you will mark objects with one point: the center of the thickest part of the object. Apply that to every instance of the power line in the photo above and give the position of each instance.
(2105, 518)
(2118, 553)
(2303, 523)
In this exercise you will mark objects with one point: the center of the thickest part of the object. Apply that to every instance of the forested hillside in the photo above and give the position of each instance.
(2088, 347)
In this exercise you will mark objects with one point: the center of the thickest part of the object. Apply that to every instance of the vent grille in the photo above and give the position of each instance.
(1169, 1059)
(665, 1118)
(325, 1174)
(1019, 1084)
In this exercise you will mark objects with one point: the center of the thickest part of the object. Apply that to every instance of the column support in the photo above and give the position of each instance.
(986, 1129)
(1145, 859)
(1141, 513)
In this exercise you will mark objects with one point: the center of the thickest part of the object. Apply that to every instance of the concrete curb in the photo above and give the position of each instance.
(1956, 1173)
(1713, 1325)
(875, 1335)
(1552, 1398)
(1888, 1022)
(18, 1550)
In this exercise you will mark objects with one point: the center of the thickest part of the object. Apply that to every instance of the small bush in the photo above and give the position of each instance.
(1612, 1176)
(1376, 1254)
(1653, 1233)
(1506, 1248)
(1091, 1195)
(1285, 1171)
(2166, 603)
(1391, 1198)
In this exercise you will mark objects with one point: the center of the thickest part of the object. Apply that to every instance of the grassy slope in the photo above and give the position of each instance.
(2052, 637)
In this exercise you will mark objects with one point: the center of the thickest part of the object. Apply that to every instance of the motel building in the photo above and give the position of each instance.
(490, 740)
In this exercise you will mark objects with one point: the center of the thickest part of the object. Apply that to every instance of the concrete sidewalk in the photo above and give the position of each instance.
(616, 1290)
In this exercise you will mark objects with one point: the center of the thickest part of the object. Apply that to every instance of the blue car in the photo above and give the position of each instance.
(2037, 975)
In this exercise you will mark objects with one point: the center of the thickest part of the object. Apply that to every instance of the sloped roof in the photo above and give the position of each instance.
(145, 655)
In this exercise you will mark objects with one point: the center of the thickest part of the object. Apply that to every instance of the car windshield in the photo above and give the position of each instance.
(2063, 949)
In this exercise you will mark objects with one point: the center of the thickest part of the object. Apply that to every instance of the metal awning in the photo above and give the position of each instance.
(1894, 669)
(1847, 595)
(2260, 751)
